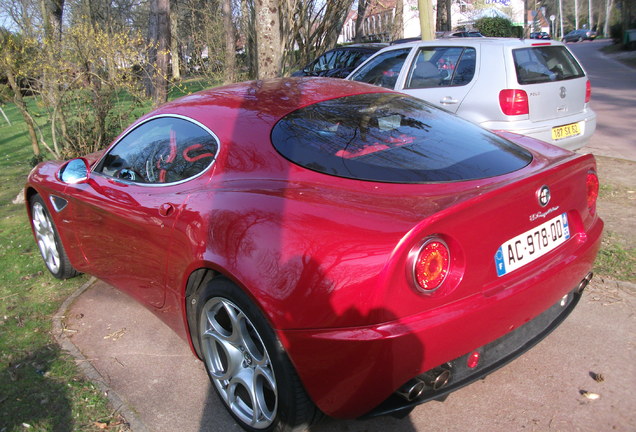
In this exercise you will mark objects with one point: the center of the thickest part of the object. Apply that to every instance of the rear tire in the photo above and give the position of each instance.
(48, 240)
(246, 363)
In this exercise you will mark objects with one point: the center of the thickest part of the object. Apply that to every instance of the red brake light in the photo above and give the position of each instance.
(513, 102)
(588, 91)
(592, 191)
(431, 265)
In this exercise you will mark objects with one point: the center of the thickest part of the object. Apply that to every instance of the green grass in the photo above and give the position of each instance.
(39, 384)
(41, 388)
(615, 259)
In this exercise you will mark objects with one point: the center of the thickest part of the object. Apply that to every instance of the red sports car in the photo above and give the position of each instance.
(327, 246)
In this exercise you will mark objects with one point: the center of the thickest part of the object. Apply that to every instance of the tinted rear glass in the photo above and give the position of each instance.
(388, 137)
(544, 64)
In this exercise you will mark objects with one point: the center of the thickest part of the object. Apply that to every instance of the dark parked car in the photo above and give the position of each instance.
(340, 62)
(539, 35)
(579, 35)
(327, 245)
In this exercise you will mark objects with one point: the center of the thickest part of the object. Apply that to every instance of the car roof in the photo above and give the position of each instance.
(361, 47)
(487, 41)
(258, 104)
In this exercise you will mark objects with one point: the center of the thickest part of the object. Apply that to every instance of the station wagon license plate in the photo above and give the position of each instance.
(532, 244)
(567, 131)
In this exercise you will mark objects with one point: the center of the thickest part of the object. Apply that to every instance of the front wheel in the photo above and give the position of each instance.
(48, 241)
(246, 364)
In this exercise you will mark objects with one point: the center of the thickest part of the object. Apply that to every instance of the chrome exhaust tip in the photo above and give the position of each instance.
(411, 390)
(585, 282)
(436, 378)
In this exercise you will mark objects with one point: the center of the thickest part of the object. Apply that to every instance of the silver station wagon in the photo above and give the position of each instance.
(529, 87)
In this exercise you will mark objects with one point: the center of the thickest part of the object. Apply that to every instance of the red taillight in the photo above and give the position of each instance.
(588, 91)
(513, 102)
(431, 265)
(592, 191)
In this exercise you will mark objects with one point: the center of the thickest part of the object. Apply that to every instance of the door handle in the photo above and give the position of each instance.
(448, 100)
(166, 209)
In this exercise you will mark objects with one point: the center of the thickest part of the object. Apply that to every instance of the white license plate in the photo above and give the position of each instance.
(527, 247)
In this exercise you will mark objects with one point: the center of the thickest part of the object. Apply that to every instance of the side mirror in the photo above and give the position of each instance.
(75, 171)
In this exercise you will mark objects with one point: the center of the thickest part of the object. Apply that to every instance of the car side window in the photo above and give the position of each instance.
(162, 150)
(441, 67)
(322, 63)
(384, 69)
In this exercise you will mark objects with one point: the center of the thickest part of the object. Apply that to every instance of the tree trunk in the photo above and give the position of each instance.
(149, 82)
(230, 43)
(362, 9)
(163, 52)
(268, 38)
(608, 11)
(335, 17)
(52, 11)
(174, 42)
(19, 102)
(398, 21)
(249, 35)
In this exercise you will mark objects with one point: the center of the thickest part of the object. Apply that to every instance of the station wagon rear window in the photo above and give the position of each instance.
(395, 138)
(548, 63)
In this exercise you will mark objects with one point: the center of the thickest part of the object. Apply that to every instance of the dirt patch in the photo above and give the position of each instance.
(617, 198)
(617, 208)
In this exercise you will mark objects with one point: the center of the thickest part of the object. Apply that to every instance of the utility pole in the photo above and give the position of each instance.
(589, 13)
(576, 14)
(426, 19)
(561, 16)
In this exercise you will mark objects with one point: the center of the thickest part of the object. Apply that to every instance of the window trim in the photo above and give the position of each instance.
(135, 126)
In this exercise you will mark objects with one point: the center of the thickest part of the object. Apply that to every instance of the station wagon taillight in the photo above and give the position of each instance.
(592, 191)
(514, 102)
(431, 265)
(588, 91)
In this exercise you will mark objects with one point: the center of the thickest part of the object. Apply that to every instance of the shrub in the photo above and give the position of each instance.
(496, 27)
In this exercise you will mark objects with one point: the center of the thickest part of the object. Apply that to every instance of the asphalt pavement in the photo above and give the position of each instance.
(157, 384)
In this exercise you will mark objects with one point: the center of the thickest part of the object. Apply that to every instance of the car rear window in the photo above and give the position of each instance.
(541, 64)
(388, 137)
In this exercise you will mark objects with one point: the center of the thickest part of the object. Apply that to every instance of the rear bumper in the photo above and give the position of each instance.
(543, 130)
(491, 356)
(352, 372)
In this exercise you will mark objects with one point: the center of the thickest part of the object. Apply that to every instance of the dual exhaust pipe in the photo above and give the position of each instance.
(433, 379)
(437, 378)
(585, 282)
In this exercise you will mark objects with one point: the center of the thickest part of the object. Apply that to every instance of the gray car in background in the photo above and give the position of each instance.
(529, 87)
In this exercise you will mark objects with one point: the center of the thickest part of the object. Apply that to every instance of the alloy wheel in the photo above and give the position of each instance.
(45, 237)
(238, 363)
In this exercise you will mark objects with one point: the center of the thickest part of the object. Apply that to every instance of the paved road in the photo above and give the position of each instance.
(613, 99)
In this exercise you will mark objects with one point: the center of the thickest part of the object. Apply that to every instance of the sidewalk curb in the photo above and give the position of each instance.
(621, 284)
(89, 371)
